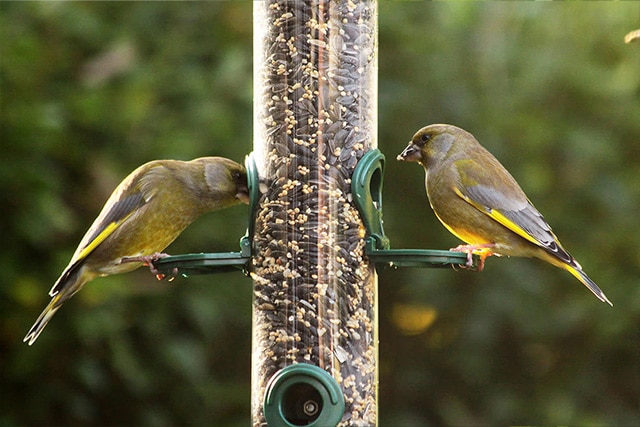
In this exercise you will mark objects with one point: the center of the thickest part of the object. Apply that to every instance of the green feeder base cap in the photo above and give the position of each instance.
(303, 395)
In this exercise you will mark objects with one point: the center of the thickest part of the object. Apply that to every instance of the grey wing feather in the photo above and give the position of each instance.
(522, 213)
(119, 210)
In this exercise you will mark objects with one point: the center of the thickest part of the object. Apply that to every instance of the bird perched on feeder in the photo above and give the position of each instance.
(144, 214)
(479, 201)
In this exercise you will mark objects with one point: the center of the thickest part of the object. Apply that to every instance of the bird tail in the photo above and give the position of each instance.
(44, 318)
(582, 277)
(65, 287)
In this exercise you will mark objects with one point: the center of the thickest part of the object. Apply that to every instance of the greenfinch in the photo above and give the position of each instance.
(144, 214)
(479, 201)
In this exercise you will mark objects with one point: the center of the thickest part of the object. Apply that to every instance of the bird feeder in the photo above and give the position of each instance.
(315, 292)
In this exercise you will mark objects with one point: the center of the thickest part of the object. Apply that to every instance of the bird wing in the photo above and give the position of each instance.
(499, 196)
(115, 213)
(105, 225)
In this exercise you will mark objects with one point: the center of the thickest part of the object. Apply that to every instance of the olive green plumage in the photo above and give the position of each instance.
(144, 214)
(477, 199)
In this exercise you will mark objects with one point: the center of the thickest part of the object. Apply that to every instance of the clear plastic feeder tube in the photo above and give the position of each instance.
(315, 293)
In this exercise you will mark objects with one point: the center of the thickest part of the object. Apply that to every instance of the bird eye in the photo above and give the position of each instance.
(424, 138)
(240, 178)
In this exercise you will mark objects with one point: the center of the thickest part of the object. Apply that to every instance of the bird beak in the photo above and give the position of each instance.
(243, 192)
(243, 196)
(410, 154)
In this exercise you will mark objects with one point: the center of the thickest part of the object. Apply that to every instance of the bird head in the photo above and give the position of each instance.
(429, 144)
(226, 177)
(225, 180)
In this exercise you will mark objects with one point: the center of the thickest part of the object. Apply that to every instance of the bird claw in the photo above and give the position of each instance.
(174, 274)
(148, 260)
(483, 251)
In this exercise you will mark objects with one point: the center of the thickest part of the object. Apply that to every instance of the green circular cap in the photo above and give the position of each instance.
(303, 395)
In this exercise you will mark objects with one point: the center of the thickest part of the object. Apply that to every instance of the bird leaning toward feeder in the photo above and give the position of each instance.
(478, 201)
(144, 214)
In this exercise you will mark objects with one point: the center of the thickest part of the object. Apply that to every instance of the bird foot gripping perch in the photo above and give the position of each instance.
(482, 251)
(149, 261)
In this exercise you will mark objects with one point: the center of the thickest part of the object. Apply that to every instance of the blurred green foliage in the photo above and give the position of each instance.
(90, 90)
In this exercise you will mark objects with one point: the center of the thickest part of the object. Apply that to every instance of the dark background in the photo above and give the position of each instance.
(91, 90)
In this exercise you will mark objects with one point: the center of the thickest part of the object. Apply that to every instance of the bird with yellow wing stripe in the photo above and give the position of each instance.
(144, 214)
(479, 201)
